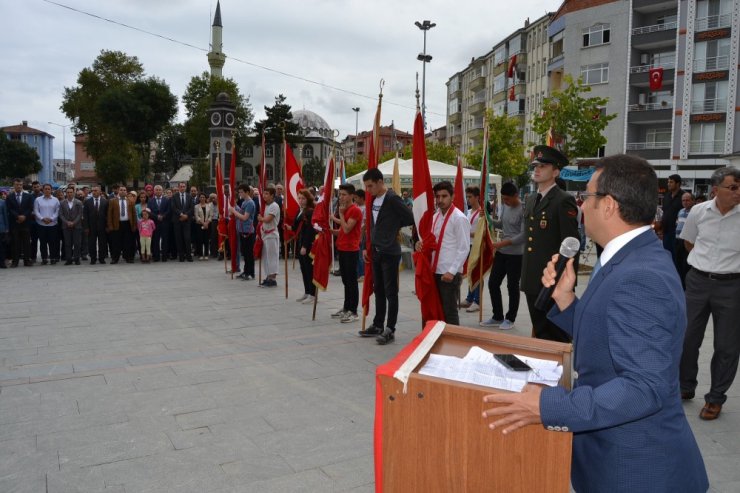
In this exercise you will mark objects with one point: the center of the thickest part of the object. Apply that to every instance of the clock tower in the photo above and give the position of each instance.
(222, 124)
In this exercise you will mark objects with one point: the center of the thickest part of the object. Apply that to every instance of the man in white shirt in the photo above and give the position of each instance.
(270, 237)
(46, 212)
(452, 230)
(712, 236)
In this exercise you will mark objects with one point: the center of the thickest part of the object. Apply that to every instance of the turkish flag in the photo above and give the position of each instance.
(263, 182)
(294, 182)
(512, 96)
(656, 78)
(459, 198)
(321, 249)
(512, 65)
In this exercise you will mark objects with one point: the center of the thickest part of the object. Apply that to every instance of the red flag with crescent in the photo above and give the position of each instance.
(263, 183)
(232, 203)
(294, 184)
(656, 78)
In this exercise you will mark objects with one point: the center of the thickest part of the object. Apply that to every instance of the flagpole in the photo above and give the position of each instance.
(295, 239)
(285, 203)
(315, 301)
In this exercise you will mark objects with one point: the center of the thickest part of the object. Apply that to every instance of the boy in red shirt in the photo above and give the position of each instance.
(349, 219)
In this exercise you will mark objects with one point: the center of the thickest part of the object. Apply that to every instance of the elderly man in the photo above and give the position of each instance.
(630, 430)
(712, 237)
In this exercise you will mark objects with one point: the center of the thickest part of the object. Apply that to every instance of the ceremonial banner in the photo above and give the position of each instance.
(459, 198)
(321, 249)
(294, 183)
(232, 203)
(263, 182)
(481, 252)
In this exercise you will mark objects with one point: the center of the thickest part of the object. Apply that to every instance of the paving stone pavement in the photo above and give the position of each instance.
(172, 377)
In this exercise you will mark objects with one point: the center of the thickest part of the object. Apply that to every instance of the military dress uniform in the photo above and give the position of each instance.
(548, 221)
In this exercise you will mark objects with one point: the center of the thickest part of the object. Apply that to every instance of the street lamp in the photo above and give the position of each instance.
(357, 120)
(424, 59)
(64, 146)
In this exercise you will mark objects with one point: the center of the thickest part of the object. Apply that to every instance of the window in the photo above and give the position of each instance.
(307, 152)
(269, 172)
(709, 97)
(712, 55)
(498, 56)
(268, 151)
(556, 46)
(515, 45)
(248, 170)
(454, 107)
(596, 35)
(249, 152)
(498, 108)
(707, 138)
(658, 138)
(498, 82)
(595, 74)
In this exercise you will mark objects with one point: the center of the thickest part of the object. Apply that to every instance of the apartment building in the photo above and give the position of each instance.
(538, 54)
(684, 123)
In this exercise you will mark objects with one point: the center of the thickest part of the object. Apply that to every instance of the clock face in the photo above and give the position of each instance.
(229, 119)
(216, 119)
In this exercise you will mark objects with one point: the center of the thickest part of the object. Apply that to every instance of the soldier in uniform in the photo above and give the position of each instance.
(550, 216)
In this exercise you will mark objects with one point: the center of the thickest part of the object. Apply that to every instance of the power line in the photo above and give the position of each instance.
(239, 60)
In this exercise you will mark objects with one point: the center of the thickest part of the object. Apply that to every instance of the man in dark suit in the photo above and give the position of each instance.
(182, 216)
(550, 216)
(121, 225)
(95, 216)
(630, 430)
(160, 207)
(389, 214)
(20, 210)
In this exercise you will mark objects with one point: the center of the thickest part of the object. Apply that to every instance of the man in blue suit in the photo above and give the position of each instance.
(630, 430)
(160, 207)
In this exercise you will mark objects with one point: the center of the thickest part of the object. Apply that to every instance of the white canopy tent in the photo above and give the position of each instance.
(438, 171)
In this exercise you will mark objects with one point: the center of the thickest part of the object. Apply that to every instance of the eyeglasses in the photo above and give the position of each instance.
(731, 188)
(586, 195)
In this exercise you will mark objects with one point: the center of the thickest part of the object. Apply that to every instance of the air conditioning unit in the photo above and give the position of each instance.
(641, 98)
(644, 59)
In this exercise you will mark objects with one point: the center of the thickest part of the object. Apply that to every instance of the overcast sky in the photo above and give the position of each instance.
(348, 44)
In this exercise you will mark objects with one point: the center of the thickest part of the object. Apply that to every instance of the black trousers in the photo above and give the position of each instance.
(97, 243)
(246, 243)
(48, 242)
(21, 243)
(182, 238)
(203, 242)
(705, 297)
(348, 268)
(542, 327)
(160, 240)
(306, 264)
(509, 266)
(680, 256)
(122, 242)
(385, 283)
(72, 243)
(448, 294)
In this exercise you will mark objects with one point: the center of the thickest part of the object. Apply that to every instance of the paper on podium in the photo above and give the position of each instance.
(481, 368)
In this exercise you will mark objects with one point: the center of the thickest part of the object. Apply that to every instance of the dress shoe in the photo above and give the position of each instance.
(68, 262)
(129, 261)
(44, 262)
(164, 259)
(189, 259)
(92, 262)
(54, 262)
(77, 261)
(710, 411)
(84, 257)
(687, 395)
(102, 260)
(114, 261)
(15, 264)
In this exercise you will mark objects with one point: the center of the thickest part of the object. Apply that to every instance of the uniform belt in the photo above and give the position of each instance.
(717, 277)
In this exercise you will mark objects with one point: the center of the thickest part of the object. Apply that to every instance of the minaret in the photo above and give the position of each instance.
(216, 58)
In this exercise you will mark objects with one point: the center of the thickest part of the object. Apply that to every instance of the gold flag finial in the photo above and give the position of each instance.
(417, 92)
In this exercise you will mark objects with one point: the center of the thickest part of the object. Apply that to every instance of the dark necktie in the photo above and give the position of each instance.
(537, 200)
(123, 208)
(97, 205)
(183, 202)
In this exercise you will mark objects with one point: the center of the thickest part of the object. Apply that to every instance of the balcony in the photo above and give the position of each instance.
(644, 114)
(639, 69)
(650, 150)
(713, 22)
(456, 140)
(478, 81)
(476, 130)
(655, 36)
(455, 117)
(640, 74)
(639, 146)
(711, 64)
(478, 105)
(709, 106)
(706, 146)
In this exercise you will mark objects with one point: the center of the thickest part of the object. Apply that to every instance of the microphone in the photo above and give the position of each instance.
(568, 249)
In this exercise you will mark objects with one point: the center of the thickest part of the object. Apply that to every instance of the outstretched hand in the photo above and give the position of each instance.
(516, 410)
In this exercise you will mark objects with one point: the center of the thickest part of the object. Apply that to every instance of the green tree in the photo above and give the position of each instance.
(171, 149)
(201, 173)
(505, 147)
(279, 118)
(436, 151)
(141, 111)
(576, 121)
(17, 159)
(199, 95)
(358, 166)
(313, 172)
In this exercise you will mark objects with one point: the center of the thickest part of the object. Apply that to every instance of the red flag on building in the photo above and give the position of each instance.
(263, 182)
(294, 184)
(321, 249)
(459, 198)
(512, 65)
(372, 162)
(426, 286)
(512, 96)
(232, 203)
(480, 260)
(656, 78)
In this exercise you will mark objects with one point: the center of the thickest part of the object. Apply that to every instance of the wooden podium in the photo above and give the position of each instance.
(434, 439)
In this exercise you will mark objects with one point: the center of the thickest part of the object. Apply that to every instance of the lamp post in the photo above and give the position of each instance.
(424, 59)
(64, 146)
(357, 120)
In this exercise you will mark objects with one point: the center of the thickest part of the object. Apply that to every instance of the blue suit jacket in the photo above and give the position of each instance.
(164, 209)
(630, 430)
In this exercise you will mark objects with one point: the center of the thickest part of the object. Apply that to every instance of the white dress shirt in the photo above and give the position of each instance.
(455, 245)
(716, 238)
(620, 241)
(44, 208)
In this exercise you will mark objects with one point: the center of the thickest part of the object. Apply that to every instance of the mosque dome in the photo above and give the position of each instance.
(311, 124)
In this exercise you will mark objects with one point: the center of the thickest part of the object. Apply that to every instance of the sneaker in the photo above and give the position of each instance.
(309, 299)
(371, 331)
(298, 300)
(349, 317)
(474, 307)
(386, 337)
(339, 314)
(507, 325)
(491, 322)
(465, 304)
